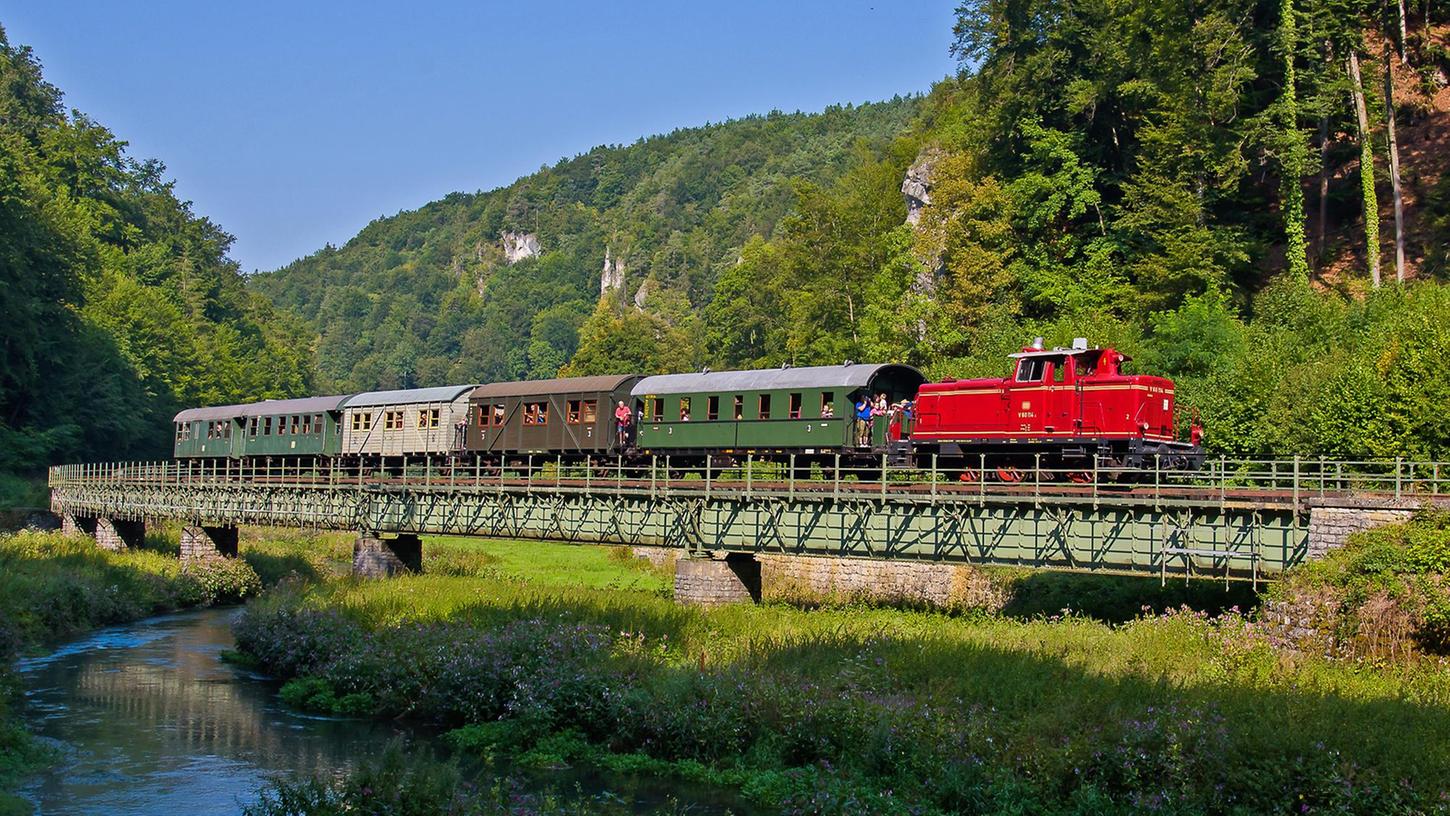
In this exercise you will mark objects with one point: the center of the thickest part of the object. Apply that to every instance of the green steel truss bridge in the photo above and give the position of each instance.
(1234, 519)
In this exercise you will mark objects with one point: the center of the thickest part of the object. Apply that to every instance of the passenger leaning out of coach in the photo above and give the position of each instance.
(863, 420)
(622, 420)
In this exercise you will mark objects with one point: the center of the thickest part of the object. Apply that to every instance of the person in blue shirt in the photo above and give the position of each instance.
(863, 421)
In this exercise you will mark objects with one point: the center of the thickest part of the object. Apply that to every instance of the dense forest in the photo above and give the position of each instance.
(120, 304)
(1181, 179)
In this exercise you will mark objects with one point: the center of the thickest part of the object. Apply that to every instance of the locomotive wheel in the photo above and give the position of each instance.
(1010, 474)
(1079, 477)
(969, 475)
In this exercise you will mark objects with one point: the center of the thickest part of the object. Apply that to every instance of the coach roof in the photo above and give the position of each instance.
(566, 385)
(848, 376)
(412, 396)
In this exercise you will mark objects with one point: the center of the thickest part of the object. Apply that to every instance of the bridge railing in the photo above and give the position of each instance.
(1262, 482)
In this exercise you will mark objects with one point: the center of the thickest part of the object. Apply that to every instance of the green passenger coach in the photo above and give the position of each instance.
(805, 410)
(292, 427)
(295, 427)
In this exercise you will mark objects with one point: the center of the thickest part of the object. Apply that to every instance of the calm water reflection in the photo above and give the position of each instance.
(148, 720)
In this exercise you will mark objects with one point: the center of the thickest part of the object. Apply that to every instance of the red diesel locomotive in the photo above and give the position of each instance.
(1071, 410)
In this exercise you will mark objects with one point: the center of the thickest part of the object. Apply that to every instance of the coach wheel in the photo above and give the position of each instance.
(1010, 474)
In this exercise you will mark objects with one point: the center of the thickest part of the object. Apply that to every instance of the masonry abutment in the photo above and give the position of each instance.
(72, 524)
(200, 542)
(714, 580)
(119, 535)
(376, 557)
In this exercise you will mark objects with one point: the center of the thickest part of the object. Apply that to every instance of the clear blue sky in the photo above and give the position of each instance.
(293, 124)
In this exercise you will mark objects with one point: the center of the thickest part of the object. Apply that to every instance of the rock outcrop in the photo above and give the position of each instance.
(916, 187)
(518, 246)
(612, 278)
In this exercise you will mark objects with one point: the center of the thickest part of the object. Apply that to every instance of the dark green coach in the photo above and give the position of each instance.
(806, 410)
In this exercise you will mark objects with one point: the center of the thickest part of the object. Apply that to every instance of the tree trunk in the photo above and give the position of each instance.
(1321, 228)
(1366, 171)
(1395, 172)
(1404, 37)
(1296, 254)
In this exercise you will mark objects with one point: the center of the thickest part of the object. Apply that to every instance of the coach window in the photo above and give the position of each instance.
(684, 409)
(712, 408)
(482, 416)
(428, 418)
(828, 404)
(307, 424)
(252, 427)
(739, 407)
(589, 412)
(795, 406)
(572, 417)
(392, 420)
(317, 423)
(296, 424)
(266, 426)
(498, 414)
(536, 413)
(657, 410)
(1031, 369)
(764, 406)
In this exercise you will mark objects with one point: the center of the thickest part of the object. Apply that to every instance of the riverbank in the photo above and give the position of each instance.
(54, 587)
(836, 710)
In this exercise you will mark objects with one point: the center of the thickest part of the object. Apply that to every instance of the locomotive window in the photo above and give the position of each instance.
(1059, 370)
(684, 409)
(828, 404)
(1031, 369)
(795, 406)
(764, 406)
(589, 411)
(739, 407)
(712, 408)
(573, 416)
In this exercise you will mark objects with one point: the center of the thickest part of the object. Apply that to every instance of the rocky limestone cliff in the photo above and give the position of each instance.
(518, 246)
(916, 187)
(611, 279)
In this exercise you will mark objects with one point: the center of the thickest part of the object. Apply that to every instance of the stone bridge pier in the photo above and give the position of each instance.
(374, 556)
(115, 535)
(200, 542)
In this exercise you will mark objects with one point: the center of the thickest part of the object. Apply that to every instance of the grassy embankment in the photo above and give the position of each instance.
(53, 587)
(553, 655)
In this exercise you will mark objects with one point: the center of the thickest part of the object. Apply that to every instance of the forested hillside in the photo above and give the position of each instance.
(496, 285)
(119, 304)
(1182, 179)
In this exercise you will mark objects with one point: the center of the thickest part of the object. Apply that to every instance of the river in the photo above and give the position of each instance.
(149, 720)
